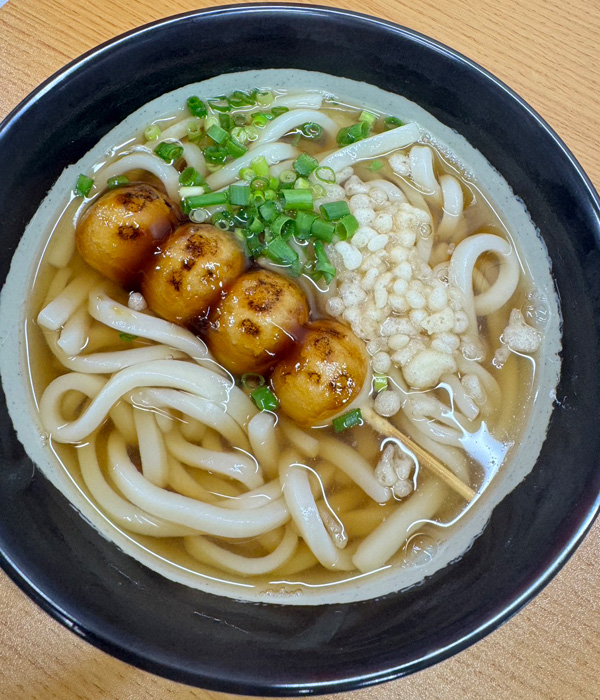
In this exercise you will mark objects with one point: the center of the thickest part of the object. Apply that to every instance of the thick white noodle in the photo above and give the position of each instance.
(421, 171)
(59, 282)
(208, 552)
(306, 100)
(121, 415)
(182, 482)
(273, 153)
(213, 415)
(126, 320)
(121, 511)
(355, 466)
(177, 131)
(461, 274)
(74, 334)
(305, 513)
(453, 204)
(290, 120)
(263, 439)
(464, 403)
(376, 549)
(109, 362)
(254, 499)
(59, 310)
(185, 376)
(371, 147)
(167, 174)
(300, 439)
(235, 465)
(277, 169)
(394, 193)
(194, 158)
(208, 518)
(151, 444)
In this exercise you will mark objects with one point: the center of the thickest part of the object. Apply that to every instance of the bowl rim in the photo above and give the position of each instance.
(515, 600)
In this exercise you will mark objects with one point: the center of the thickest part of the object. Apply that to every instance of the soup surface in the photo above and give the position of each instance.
(281, 339)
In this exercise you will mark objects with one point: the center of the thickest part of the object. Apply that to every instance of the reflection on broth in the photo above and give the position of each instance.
(282, 343)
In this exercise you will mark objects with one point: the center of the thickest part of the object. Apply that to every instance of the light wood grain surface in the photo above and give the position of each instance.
(547, 50)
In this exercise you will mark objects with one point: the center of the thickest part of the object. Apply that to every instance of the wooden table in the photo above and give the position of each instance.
(547, 50)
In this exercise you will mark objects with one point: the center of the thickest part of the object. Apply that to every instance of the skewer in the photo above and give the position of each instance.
(381, 425)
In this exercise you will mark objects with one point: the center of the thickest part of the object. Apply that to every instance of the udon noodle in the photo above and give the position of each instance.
(392, 388)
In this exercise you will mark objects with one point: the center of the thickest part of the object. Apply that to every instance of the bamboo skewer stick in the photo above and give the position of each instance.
(381, 425)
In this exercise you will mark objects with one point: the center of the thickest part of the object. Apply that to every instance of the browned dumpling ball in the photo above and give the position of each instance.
(324, 373)
(256, 321)
(121, 230)
(188, 274)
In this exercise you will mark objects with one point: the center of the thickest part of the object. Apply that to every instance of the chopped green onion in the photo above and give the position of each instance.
(247, 174)
(241, 99)
(127, 337)
(256, 225)
(298, 199)
(273, 183)
(223, 220)
(305, 164)
(376, 165)
(152, 132)
(311, 130)
(265, 399)
(322, 230)
(283, 226)
(269, 211)
(259, 183)
(217, 133)
(318, 190)
(240, 134)
(258, 197)
(226, 122)
(323, 266)
(368, 118)
(302, 184)
(332, 211)
(304, 223)
(251, 380)
(83, 185)
(280, 252)
(215, 155)
(169, 152)
(288, 176)
(242, 119)
(392, 122)
(220, 104)
(197, 107)
(270, 195)
(325, 174)
(190, 177)
(261, 167)
(346, 227)
(348, 420)
(352, 134)
(235, 148)
(117, 181)
(260, 120)
(207, 200)
(194, 130)
(278, 111)
(264, 97)
(241, 218)
(210, 121)
(239, 195)
(380, 382)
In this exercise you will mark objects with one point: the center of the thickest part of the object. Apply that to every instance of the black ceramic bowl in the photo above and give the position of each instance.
(129, 611)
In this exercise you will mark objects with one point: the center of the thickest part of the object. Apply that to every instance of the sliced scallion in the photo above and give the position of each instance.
(288, 176)
(207, 200)
(215, 155)
(311, 130)
(283, 226)
(380, 382)
(269, 211)
(264, 97)
(261, 167)
(251, 380)
(305, 164)
(83, 185)
(265, 399)
(197, 107)
(325, 174)
(235, 148)
(127, 337)
(304, 223)
(346, 227)
(376, 165)
(217, 134)
(239, 195)
(278, 111)
(348, 420)
(152, 132)
(298, 199)
(223, 220)
(367, 117)
(392, 122)
(169, 152)
(332, 211)
(280, 252)
(322, 230)
(323, 266)
(117, 181)
(190, 177)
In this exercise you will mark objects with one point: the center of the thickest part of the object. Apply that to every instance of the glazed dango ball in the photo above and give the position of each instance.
(256, 321)
(189, 272)
(322, 375)
(121, 230)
